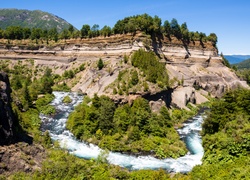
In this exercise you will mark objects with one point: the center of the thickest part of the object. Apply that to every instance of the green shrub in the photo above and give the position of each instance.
(100, 64)
(67, 100)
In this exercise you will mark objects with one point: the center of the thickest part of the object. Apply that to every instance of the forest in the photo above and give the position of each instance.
(144, 23)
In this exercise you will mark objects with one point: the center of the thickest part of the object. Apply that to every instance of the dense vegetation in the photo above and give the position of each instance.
(149, 25)
(31, 19)
(148, 63)
(146, 70)
(226, 139)
(62, 165)
(243, 65)
(26, 89)
(243, 70)
(130, 128)
(31, 96)
(244, 74)
(126, 128)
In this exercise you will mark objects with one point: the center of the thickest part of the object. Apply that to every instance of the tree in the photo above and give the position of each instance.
(53, 34)
(225, 61)
(85, 30)
(1, 33)
(106, 31)
(119, 27)
(185, 32)
(95, 30)
(65, 34)
(27, 96)
(175, 28)
(100, 64)
(71, 29)
(13, 32)
(47, 82)
(157, 24)
(213, 38)
(134, 78)
(167, 28)
(26, 33)
(105, 114)
(36, 33)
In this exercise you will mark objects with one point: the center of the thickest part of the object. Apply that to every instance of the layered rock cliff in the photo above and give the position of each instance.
(195, 69)
(6, 114)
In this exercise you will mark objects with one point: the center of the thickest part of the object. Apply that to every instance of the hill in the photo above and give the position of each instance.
(243, 65)
(233, 59)
(31, 19)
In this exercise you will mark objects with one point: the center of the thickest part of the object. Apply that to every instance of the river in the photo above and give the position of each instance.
(189, 133)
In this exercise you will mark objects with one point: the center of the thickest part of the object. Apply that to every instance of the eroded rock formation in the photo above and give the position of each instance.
(196, 68)
(6, 113)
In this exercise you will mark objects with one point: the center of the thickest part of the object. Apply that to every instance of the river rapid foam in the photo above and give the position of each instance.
(56, 125)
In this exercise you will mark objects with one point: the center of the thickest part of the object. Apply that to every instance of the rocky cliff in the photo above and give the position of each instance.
(195, 69)
(6, 113)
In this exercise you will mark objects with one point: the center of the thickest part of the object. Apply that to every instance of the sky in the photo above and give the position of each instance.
(228, 19)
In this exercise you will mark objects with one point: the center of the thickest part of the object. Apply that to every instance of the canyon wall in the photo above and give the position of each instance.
(195, 68)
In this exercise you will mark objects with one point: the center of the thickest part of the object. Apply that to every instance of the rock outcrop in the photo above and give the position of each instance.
(6, 114)
(194, 68)
(21, 157)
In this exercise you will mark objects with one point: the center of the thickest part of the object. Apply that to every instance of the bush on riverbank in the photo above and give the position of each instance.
(66, 166)
(226, 139)
(132, 129)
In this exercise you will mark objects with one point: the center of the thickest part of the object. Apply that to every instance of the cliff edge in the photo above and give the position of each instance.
(195, 69)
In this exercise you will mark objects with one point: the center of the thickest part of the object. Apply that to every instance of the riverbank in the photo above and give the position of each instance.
(89, 151)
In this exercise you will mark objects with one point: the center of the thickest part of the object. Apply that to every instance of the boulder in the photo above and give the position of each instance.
(181, 96)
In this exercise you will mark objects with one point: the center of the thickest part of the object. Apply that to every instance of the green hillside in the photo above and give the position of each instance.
(31, 19)
(244, 64)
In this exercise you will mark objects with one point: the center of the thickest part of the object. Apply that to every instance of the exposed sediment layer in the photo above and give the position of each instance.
(196, 65)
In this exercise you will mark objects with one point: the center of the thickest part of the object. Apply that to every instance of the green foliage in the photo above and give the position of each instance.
(67, 100)
(126, 128)
(68, 74)
(180, 115)
(106, 31)
(125, 59)
(134, 78)
(100, 64)
(62, 165)
(30, 25)
(82, 67)
(225, 61)
(226, 139)
(48, 110)
(244, 74)
(61, 87)
(233, 104)
(151, 67)
(243, 65)
(31, 19)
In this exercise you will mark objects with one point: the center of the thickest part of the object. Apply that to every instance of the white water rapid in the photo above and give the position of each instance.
(189, 134)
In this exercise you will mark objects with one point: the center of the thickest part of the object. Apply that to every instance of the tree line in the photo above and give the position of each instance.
(144, 23)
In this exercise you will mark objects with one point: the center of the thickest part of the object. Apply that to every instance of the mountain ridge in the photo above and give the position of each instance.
(243, 64)
(31, 19)
(236, 58)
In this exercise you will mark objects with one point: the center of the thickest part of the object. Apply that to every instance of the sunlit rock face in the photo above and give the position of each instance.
(6, 113)
(195, 69)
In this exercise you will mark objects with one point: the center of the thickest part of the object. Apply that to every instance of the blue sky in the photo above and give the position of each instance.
(229, 19)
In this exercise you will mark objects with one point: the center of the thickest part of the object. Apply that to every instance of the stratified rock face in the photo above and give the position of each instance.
(195, 69)
(6, 113)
